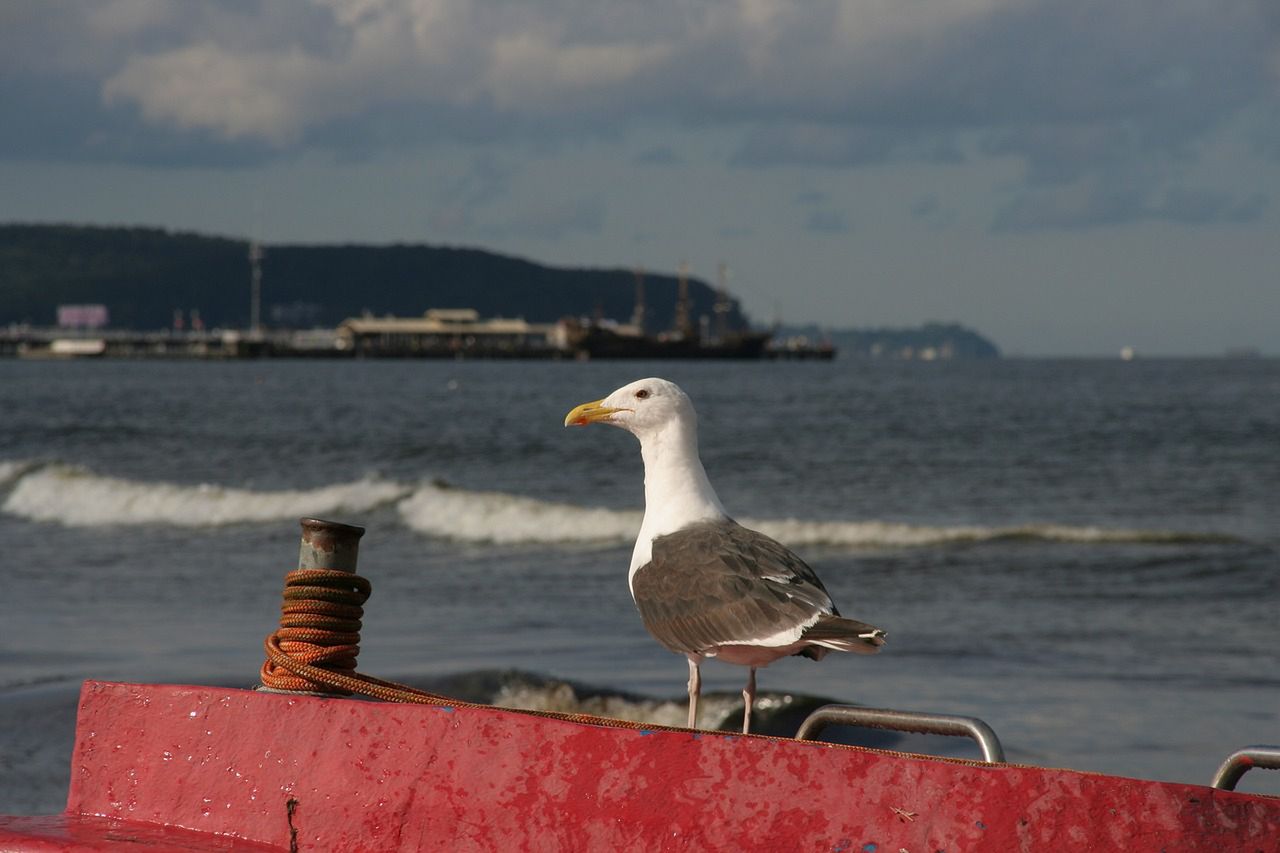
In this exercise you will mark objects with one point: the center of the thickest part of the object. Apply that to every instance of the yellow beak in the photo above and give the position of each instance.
(588, 413)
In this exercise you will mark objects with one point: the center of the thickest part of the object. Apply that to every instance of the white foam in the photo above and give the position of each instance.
(11, 470)
(881, 534)
(79, 498)
(713, 709)
(501, 518)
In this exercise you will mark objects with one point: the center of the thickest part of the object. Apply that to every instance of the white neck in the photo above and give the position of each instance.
(677, 492)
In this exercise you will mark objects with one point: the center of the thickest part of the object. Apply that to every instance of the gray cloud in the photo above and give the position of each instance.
(1264, 132)
(816, 145)
(929, 211)
(1098, 204)
(661, 155)
(1060, 154)
(488, 180)
(548, 220)
(551, 220)
(276, 70)
(1072, 91)
(925, 206)
(810, 197)
(1194, 206)
(826, 221)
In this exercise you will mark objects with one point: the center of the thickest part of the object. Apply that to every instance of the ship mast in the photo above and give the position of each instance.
(683, 324)
(255, 288)
(637, 314)
(722, 305)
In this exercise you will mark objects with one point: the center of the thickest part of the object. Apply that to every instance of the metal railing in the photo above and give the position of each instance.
(905, 721)
(1242, 761)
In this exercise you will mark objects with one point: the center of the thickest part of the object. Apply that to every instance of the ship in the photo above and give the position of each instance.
(707, 339)
(600, 340)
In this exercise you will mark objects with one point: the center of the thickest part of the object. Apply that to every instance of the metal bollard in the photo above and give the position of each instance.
(329, 545)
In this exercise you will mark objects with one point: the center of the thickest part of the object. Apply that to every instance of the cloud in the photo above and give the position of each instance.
(925, 206)
(1195, 206)
(1071, 91)
(416, 54)
(815, 145)
(929, 210)
(531, 70)
(866, 65)
(63, 119)
(479, 204)
(660, 155)
(551, 220)
(488, 180)
(546, 220)
(1062, 153)
(1095, 204)
(205, 87)
(826, 222)
(1263, 133)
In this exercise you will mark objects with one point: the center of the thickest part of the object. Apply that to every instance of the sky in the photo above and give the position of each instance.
(1065, 176)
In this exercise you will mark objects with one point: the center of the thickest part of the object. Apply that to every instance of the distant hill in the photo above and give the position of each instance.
(928, 342)
(143, 275)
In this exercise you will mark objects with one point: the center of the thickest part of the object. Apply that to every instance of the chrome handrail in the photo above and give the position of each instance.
(905, 721)
(1242, 761)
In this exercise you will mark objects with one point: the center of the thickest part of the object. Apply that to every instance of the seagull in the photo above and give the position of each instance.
(705, 586)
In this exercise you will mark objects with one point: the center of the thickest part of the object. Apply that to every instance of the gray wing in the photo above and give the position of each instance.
(718, 583)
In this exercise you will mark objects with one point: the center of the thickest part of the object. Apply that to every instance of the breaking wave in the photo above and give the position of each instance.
(775, 712)
(12, 470)
(439, 510)
(494, 517)
(881, 534)
(78, 497)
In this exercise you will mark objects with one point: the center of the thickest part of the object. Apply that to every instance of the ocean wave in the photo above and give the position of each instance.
(77, 497)
(495, 517)
(562, 698)
(438, 510)
(12, 469)
(775, 712)
(882, 534)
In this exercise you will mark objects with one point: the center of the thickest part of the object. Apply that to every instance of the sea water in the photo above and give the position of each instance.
(1084, 554)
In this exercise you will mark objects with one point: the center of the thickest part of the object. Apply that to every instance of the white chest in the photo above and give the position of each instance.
(677, 492)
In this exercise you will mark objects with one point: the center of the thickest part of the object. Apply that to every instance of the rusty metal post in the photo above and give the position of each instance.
(329, 545)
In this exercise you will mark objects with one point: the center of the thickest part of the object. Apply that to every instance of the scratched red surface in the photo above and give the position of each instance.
(371, 776)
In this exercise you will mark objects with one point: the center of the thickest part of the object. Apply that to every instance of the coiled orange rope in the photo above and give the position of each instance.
(320, 623)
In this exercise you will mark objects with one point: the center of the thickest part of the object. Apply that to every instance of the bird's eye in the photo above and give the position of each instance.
(642, 394)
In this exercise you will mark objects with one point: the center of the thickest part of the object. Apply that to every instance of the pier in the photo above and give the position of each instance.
(439, 333)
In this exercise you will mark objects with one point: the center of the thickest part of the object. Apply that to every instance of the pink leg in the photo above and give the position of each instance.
(748, 699)
(695, 688)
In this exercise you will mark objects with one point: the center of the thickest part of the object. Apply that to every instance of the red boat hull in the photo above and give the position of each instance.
(206, 768)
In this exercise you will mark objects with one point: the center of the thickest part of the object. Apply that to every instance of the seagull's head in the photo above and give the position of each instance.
(642, 407)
